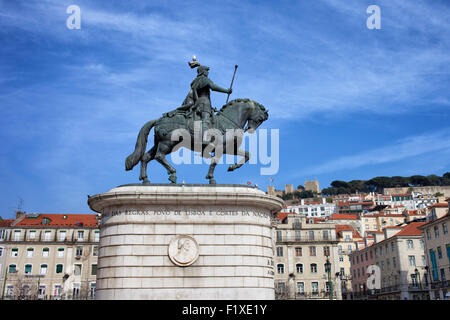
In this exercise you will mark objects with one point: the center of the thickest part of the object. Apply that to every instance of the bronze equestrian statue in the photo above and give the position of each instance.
(233, 117)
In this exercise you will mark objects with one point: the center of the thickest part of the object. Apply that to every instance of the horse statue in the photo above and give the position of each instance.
(233, 117)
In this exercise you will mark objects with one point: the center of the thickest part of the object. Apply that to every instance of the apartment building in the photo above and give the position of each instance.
(348, 238)
(437, 249)
(305, 262)
(313, 209)
(393, 267)
(50, 256)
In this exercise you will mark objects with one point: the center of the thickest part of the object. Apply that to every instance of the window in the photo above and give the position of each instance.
(339, 249)
(428, 234)
(60, 252)
(14, 252)
(80, 235)
(436, 232)
(57, 289)
(32, 235)
(92, 290)
(424, 260)
(341, 258)
(298, 235)
(28, 268)
(312, 251)
(95, 251)
(47, 235)
(43, 269)
(62, 235)
(299, 268)
(280, 268)
(45, 252)
(79, 251)
(443, 275)
(381, 251)
(311, 235)
(279, 235)
(326, 251)
(16, 235)
(412, 261)
(382, 265)
(77, 270)
(342, 272)
(97, 236)
(30, 252)
(315, 288)
(325, 234)
(279, 251)
(76, 290)
(444, 228)
(300, 288)
(439, 251)
(1, 251)
(93, 269)
(410, 244)
(59, 268)
(421, 244)
(313, 268)
(12, 268)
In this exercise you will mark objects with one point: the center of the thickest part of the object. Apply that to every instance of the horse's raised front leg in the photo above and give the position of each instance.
(210, 174)
(246, 156)
(146, 158)
(160, 156)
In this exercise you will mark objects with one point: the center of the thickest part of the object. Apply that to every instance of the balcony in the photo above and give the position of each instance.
(305, 239)
(440, 284)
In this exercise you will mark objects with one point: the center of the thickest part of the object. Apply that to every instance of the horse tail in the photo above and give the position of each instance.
(141, 143)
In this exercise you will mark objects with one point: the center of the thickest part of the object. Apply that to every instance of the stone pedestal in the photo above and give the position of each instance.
(185, 242)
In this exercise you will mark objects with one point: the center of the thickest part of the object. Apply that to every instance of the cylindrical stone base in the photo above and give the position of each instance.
(185, 242)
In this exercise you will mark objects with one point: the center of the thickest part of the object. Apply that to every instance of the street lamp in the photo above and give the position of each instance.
(328, 270)
(418, 277)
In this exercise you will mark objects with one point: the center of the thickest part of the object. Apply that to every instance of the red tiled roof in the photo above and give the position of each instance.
(344, 227)
(282, 215)
(411, 229)
(439, 205)
(59, 220)
(6, 222)
(343, 217)
(315, 220)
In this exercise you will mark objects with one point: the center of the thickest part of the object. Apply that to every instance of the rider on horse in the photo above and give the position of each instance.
(199, 99)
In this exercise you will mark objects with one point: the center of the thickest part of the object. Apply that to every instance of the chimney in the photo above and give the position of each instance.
(20, 214)
(390, 232)
(377, 237)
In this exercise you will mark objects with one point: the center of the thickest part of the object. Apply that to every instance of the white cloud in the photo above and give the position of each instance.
(406, 148)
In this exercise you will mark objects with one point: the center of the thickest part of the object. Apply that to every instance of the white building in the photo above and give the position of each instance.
(316, 209)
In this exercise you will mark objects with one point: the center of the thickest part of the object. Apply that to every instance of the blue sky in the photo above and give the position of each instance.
(350, 103)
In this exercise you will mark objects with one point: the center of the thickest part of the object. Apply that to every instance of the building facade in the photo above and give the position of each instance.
(50, 256)
(437, 249)
(393, 267)
(305, 262)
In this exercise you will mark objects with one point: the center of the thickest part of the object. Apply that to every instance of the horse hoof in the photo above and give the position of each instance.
(173, 178)
(212, 181)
